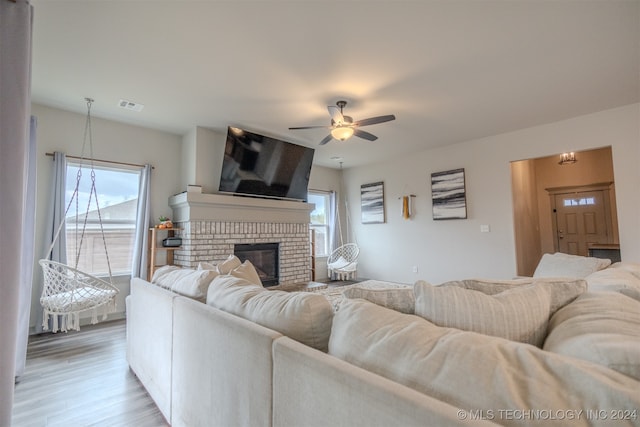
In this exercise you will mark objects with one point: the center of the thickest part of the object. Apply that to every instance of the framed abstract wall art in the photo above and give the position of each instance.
(372, 203)
(448, 195)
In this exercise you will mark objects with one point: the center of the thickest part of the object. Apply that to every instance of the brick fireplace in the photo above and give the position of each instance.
(212, 224)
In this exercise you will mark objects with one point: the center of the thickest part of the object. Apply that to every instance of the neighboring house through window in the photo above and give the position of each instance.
(117, 189)
(320, 221)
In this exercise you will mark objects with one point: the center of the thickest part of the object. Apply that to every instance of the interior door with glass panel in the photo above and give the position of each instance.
(581, 219)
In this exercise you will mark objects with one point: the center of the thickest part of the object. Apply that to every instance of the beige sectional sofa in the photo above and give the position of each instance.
(215, 362)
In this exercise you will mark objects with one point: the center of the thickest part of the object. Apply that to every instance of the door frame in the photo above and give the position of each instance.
(606, 187)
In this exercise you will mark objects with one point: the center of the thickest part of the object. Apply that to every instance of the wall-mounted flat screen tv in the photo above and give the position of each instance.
(261, 166)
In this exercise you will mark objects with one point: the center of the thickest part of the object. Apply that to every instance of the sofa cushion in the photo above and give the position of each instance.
(601, 327)
(302, 316)
(247, 271)
(194, 283)
(473, 371)
(565, 265)
(163, 278)
(184, 281)
(613, 279)
(520, 313)
(399, 299)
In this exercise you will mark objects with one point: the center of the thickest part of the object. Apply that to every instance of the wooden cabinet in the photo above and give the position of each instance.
(156, 250)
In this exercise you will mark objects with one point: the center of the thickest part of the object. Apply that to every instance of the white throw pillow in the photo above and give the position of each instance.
(302, 316)
(562, 291)
(207, 266)
(194, 283)
(247, 271)
(399, 299)
(613, 279)
(565, 265)
(229, 264)
(601, 327)
(167, 275)
(475, 372)
(518, 314)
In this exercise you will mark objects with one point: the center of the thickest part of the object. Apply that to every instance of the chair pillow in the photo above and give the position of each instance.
(518, 314)
(601, 327)
(302, 316)
(472, 371)
(565, 265)
(399, 299)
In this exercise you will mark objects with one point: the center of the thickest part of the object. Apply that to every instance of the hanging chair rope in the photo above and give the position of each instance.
(68, 291)
(343, 261)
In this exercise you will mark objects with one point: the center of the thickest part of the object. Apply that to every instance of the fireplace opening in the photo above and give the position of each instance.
(264, 257)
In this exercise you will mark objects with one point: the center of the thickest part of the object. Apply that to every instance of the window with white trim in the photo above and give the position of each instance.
(320, 221)
(117, 189)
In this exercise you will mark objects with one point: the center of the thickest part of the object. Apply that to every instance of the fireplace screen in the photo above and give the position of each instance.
(264, 257)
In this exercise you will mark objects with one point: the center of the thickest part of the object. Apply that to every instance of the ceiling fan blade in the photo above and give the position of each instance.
(335, 114)
(326, 139)
(310, 127)
(375, 120)
(364, 135)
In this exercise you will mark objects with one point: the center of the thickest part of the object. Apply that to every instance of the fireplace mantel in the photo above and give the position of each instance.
(211, 224)
(220, 207)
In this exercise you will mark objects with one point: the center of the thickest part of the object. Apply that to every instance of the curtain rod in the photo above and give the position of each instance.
(102, 161)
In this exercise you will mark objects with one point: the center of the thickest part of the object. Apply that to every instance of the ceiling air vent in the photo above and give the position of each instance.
(128, 105)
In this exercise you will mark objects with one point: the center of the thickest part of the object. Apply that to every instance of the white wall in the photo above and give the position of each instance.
(60, 130)
(456, 249)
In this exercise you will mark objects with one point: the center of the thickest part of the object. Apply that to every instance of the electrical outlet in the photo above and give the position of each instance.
(415, 268)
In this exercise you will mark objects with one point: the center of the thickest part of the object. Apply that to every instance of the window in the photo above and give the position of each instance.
(580, 202)
(117, 190)
(320, 221)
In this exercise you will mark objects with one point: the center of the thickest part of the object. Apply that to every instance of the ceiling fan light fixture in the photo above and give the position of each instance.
(342, 133)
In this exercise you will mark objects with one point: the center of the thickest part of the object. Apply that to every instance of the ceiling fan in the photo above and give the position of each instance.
(343, 127)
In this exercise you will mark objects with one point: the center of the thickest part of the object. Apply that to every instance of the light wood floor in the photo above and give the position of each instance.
(82, 379)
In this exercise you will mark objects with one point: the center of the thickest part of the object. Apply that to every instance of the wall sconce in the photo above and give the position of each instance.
(407, 205)
(567, 158)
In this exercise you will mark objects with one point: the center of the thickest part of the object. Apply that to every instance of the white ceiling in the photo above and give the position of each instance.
(450, 71)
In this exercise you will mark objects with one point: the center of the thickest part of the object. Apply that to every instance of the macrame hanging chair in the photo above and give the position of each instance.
(67, 291)
(342, 264)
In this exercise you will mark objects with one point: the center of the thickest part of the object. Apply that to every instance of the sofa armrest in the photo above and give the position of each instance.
(149, 339)
(222, 368)
(336, 393)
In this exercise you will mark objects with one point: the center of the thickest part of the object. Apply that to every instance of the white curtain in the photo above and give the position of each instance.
(15, 105)
(334, 232)
(139, 266)
(55, 216)
(24, 307)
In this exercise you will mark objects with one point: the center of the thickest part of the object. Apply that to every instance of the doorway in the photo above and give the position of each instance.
(541, 185)
(582, 218)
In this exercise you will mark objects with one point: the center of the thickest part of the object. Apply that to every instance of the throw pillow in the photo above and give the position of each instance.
(613, 279)
(161, 276)
(600, 327)
(399, 299)
(518, 314)
(247, 271)
(471, 371)
(229, 264)
(562, 291)
(302, 316)
(207, 266)
(194, 283)
(565, 265)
